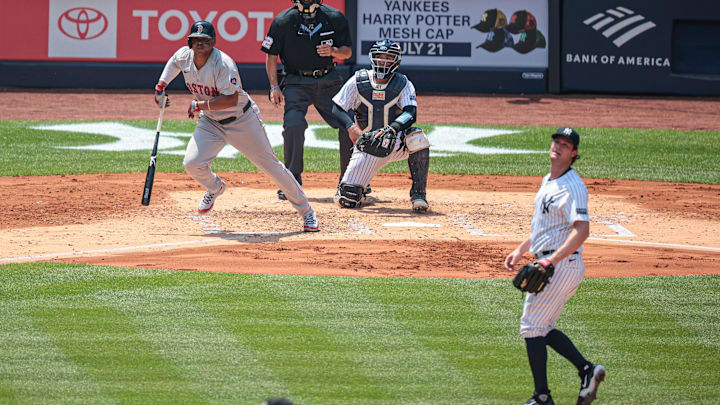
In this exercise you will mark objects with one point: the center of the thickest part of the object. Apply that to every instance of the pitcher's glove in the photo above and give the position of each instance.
(533, 277)
(380, 142)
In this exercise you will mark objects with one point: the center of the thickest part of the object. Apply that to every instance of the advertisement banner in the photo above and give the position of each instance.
(473, 33)
(639, 46)
(135, 30)
(611, 46)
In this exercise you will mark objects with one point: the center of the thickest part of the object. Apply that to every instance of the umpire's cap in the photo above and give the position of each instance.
(201, 29)
(570, 134)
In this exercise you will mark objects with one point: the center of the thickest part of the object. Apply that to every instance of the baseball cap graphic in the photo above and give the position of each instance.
(520, 21)
(498, 39)
(82, 23)
(569, 133)
(530, 40)
(490, 20)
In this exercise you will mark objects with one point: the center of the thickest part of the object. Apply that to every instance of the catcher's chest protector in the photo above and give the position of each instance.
(370, 114)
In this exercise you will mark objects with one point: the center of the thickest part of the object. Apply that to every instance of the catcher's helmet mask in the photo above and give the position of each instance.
(307, 8)
(380, 66)
(201, 29)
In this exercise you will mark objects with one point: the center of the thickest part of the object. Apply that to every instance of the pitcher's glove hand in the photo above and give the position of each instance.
(380, 142)
(159, 94)
(533, 277)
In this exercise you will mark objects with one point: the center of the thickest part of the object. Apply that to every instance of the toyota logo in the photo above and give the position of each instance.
(82, 23)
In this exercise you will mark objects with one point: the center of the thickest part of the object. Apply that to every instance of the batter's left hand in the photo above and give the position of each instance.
(324, 50)
(193, 109)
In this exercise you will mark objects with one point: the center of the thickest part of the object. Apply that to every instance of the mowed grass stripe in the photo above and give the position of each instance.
(33, 368)
(666, 317)
(444, 328)
(304, 337)
(104, 343)
(178, 321)
(390, 361)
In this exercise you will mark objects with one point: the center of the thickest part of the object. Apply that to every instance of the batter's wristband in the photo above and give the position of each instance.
(273, 88)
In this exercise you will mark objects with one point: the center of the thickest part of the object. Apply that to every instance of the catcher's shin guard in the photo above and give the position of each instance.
(349, 195)
(346, 150)
(419, 163)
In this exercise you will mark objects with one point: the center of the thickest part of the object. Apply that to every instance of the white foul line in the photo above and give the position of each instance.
(678, 245)
(621, 231)
(120, 249)
(231, 236)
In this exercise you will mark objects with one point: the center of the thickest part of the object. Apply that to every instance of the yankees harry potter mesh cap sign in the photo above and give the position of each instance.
(568, 133)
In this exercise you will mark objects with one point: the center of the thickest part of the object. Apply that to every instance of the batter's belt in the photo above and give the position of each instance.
(549, 252)
(228, 120)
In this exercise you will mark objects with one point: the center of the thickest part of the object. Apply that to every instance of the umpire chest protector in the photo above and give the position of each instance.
(378, 107)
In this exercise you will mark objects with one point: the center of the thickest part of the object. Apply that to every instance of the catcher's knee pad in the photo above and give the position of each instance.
(416, 140)
(350, 195)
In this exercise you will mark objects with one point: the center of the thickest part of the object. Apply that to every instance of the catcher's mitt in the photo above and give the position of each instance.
(380, 142)
(533, 277)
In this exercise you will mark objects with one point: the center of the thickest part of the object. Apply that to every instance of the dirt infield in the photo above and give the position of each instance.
(638, 228)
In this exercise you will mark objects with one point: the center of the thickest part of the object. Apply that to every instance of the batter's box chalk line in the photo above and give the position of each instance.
(410, 224)
(463, 222)
(359, 227)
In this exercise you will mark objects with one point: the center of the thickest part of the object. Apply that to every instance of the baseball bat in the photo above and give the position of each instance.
(150, 176)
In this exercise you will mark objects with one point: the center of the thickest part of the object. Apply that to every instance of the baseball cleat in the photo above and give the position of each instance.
(590, 378)
(540, 399)
(311, 222)
(281, 195)
(419, 203)
(208, 199)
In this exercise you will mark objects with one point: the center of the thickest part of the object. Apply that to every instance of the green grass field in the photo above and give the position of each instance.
(106, 335)
(84, 334)
(658, 155)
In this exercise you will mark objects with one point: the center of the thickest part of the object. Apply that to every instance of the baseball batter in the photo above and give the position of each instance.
(560, 225)
(227, 115)
(384, 101)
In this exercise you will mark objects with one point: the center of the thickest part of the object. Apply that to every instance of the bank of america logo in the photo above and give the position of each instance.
(613, 21)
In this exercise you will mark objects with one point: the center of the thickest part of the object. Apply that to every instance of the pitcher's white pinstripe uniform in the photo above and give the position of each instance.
(559, 204)
(363, 167)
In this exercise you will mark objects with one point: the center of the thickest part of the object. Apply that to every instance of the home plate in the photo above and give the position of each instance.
(411, 224)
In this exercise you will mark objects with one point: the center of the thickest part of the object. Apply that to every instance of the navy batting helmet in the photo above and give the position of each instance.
(201, 29)
(382, 69)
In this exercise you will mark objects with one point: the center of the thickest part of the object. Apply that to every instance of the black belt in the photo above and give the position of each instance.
(317, 73)
(549, 252)
(231, 119)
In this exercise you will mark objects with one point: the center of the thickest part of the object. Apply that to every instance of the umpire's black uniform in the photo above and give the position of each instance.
(310, 78)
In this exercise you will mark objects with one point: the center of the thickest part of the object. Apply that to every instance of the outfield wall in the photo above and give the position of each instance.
(483, 46)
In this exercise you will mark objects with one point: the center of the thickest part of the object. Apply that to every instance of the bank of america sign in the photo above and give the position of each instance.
(619, 24)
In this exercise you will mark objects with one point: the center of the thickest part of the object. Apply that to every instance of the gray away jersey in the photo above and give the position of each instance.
(558, 204)
(219, 76)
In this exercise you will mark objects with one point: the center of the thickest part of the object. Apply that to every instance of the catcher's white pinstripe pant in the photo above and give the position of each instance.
(363, 166)
(542, 310)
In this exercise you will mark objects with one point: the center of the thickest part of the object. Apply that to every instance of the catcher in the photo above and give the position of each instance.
(385, 107)
(560, 225)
